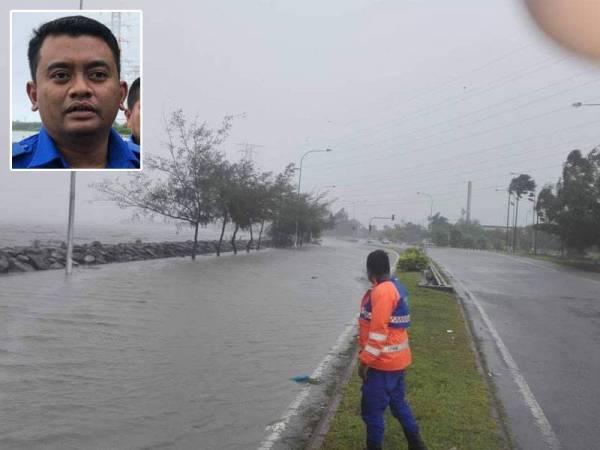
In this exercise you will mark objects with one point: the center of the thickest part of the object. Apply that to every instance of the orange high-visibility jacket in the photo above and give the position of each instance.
(384, 317)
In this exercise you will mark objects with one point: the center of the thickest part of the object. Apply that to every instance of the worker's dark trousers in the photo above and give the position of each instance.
(383, 388)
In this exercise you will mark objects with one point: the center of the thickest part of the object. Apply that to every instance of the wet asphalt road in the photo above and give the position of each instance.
(548, 318)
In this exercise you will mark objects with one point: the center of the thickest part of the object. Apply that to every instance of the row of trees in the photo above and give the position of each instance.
(196, 185)
(570, 209)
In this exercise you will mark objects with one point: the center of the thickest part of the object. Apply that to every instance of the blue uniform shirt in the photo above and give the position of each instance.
(135, 148)
(39, 152)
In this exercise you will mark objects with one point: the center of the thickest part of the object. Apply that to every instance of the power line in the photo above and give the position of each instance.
(460, 98)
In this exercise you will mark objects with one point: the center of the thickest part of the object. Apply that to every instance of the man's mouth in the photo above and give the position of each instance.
(81, 109)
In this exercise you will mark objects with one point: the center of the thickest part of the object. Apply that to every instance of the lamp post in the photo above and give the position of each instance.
(71, 219)
(299, 181)
(353, 203)
(580, 104)
(507, 218)
(533, 198)
(327, 187)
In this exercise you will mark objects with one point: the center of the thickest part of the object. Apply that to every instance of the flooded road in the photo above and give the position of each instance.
(168, 354)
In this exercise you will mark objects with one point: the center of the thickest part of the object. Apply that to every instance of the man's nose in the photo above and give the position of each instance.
(80, 87)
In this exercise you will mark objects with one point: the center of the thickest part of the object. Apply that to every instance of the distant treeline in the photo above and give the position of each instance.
(17, 125)
(26, 126)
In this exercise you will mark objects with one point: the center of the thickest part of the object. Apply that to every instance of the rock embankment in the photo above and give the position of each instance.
(52, 255)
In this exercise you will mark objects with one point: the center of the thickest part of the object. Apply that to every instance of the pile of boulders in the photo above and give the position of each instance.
(52, 254)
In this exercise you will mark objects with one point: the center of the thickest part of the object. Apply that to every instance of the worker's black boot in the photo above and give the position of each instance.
(415, 442)
(373, 447)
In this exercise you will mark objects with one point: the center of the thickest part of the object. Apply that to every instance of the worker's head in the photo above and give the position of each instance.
(378, 266)
(132, 113)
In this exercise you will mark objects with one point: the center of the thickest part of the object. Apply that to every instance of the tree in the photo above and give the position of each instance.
(439, 230)
(187, 181)
(519, 186)
(571, 208)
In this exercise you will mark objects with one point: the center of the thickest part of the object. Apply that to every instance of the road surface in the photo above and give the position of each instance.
(539, 326)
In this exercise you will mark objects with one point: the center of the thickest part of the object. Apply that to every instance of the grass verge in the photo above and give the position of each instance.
(451, 401)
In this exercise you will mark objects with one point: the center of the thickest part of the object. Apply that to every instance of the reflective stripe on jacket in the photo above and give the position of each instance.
(384, 318)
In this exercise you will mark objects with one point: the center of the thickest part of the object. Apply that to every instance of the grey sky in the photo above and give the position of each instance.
(411, 96)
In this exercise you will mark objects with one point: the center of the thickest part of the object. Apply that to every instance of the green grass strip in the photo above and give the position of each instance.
(445, 389)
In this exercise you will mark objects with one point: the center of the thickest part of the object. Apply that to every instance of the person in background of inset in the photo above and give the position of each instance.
(385, 354)
(132, 113)
(75, 65)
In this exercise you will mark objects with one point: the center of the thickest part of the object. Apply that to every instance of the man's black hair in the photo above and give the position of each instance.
(74, 26)
(134, 93)
(378, 265)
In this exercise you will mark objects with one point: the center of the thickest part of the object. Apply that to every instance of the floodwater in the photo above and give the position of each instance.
(168, 354)
(12, 234)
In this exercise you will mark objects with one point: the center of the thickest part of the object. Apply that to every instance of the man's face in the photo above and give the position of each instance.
(133, 121)
(76, 88)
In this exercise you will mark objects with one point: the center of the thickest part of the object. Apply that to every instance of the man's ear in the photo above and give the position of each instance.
(128, 117)
(32, 94)
(123, 92)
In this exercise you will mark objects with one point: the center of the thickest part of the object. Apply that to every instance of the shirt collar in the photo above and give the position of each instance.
(47, 154)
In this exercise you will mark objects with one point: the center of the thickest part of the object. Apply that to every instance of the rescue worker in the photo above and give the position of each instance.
(132, 114)
(385, 353)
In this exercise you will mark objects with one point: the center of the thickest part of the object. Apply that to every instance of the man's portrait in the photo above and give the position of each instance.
(77, 86)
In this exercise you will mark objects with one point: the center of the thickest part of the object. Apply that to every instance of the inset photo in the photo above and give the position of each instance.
(76, 90)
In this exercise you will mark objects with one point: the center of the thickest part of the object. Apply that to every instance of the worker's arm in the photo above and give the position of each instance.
(383, 300)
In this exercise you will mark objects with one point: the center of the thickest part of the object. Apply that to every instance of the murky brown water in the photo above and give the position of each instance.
(168, 354)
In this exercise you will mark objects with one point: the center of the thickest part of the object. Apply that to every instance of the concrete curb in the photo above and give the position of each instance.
(322, 428)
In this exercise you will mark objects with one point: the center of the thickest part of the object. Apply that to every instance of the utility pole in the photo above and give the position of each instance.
(515, 240)
(508, 222)
(71, 219)
(299, 181)
(247, 150)
(469, 193)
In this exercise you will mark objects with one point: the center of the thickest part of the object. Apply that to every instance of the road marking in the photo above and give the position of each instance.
(536, 410)
(523, 260)
(278, 428)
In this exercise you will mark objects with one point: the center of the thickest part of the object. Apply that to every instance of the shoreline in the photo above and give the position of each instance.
(51, 255)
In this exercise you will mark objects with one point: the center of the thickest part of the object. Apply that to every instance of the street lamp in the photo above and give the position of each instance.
(353, 203)
(533, 198)
(299, 181)
(580, 104)
(507, 217)
(431, 206)
(330, 186)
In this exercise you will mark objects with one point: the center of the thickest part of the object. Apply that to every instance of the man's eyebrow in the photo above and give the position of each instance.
(58, 65)
(97, 63)
(90, 65)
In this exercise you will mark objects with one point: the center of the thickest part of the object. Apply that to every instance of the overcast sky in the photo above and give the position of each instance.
(410, 95)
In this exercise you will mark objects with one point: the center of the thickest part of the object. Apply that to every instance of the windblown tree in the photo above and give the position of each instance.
(182, 186)
(519, 187)
(571, 209)
(439, 230)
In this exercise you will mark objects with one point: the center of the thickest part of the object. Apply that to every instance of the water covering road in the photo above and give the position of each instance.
(168, 354)
(548, 319)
